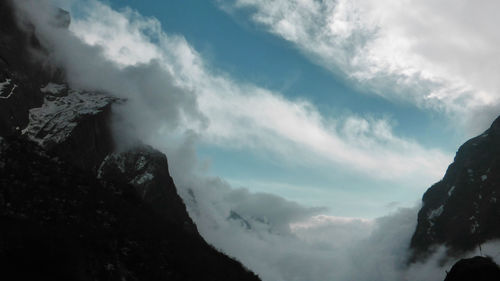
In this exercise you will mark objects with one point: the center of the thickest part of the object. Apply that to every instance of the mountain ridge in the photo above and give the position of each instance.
(462, 210)
(66, 211)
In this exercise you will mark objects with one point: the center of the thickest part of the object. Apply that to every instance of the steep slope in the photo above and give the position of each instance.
(73, 124)
(146, 169)
(58, 221)
(36, 102)
(463, 209)
(23, 68)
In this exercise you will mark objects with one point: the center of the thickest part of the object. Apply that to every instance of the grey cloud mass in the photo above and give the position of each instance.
(168, 93)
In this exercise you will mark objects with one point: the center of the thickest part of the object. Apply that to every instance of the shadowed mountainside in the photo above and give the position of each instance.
(463, 209)
(58, 220)
(476, 268)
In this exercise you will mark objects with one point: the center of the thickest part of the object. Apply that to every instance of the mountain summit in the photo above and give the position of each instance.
(463, 209)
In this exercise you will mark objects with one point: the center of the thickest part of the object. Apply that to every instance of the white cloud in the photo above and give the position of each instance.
(127, 42)
(283, 241)
(333, 232)
(436, 54)
(170, 91)
(239, 115)
(175, 102)
(257, 118)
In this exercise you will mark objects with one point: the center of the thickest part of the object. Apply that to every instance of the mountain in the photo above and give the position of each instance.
(72, 207)
(463, 209)
(59, 222)
(476, 268)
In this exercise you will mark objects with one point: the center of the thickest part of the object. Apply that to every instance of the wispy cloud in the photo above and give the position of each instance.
(176, 101)
(240, 115)
(438, 55)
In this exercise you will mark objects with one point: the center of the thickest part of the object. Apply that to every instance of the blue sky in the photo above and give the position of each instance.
(233, 44)
(313, 120)
(308, 102)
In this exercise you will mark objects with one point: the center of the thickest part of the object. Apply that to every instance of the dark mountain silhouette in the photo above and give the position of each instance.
(476, 268)
(463, 209)
(73, 208)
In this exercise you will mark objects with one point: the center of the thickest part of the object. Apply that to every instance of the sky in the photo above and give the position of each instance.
(320, 123)
(242, 41)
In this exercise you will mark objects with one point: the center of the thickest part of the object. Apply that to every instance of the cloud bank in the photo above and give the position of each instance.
(230, 113)
(175, 101)
(437, 55)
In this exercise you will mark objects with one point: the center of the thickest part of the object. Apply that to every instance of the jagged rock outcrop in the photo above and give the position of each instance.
(58, 221)
(476, 268)
(20, 78)
(72, 124)
(146, 169)
(463, 209)
(35, 101)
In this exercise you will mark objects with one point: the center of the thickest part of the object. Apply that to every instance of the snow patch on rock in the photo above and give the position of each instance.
(141, 163)
(117, 158)
(450, 192)
(141, 179)
(484, 177)
(120, 161)
(99, 170)
(4, 85)
(435, 213)
(54, 121)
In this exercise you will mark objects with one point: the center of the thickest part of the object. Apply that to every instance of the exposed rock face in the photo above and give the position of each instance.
(35, 102)
(463, 209)
(58, 222)
(21, 75)
(476, 268)
(147, 170)
(73, 124)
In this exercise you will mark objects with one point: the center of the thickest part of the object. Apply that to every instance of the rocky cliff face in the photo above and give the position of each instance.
(35, 101)
(146, 169)
(463, 209)
(58, 222)
(72, 208)
(72, 124)
(20, 79)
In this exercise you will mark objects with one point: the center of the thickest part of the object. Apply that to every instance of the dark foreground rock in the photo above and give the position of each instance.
(60, 223)
(36, 102)
(463, 209)
(474, 269)
(146, 169)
